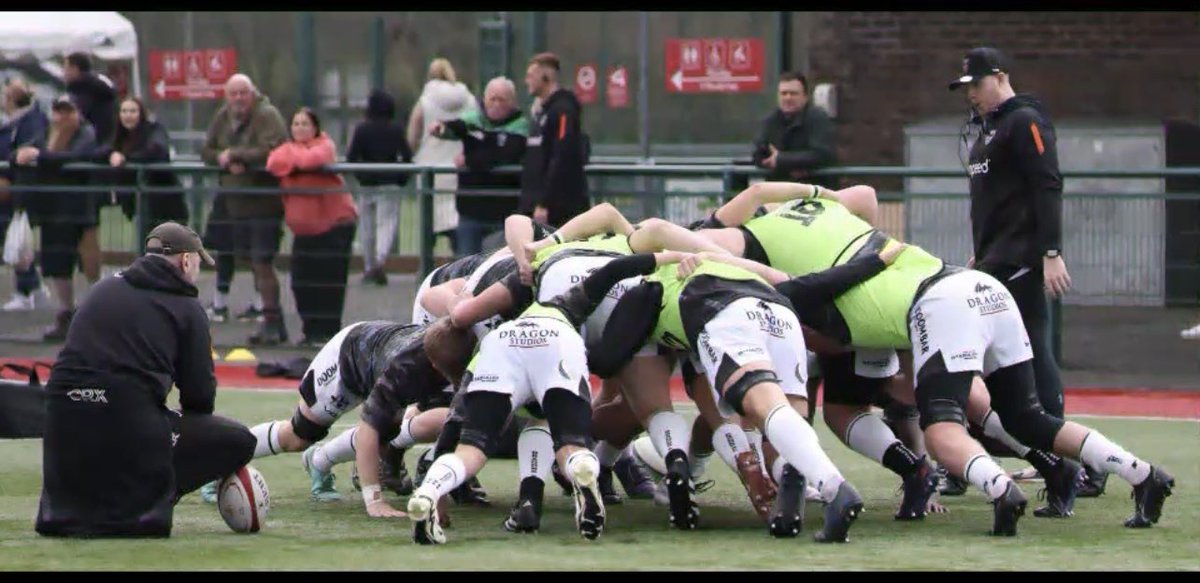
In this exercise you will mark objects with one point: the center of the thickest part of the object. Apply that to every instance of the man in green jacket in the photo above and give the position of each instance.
(493, 137)
(248, 223)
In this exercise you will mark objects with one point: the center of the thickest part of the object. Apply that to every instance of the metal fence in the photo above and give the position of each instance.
(1114, 241)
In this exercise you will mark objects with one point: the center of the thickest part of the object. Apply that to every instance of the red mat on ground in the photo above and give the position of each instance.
(1086, 401)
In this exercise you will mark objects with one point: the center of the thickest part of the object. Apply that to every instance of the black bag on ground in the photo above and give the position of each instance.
(22, 402)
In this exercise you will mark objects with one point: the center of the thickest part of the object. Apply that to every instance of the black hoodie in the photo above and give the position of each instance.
(138, 333)
(380, 139)
(555, 155)
(1016, 187)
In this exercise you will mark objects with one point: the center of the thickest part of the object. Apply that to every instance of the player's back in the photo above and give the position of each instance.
(369, 348)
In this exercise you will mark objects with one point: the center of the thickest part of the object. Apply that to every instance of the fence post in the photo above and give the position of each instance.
(727, 184)
(425, 202)
(139, 213)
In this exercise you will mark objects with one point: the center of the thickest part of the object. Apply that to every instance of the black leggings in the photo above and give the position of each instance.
(320, 266)
(209, 448)
(1028, 291)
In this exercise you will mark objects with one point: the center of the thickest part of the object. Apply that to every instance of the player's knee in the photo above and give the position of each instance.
(1017, 404)
(941, 395)
(307, 429)
(895, 411)
(735, 395)
(486, 413)
(570, 417)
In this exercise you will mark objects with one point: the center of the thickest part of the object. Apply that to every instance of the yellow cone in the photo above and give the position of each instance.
(240, 355)
(216, 356)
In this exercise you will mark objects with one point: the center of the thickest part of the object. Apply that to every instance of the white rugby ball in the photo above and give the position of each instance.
(643, 448)
(244, 500)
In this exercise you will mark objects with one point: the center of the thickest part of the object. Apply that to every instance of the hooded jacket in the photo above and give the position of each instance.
(1016, 186)
(107, 451)
(97, 103)
(249, 143)
(380, 139)
(555, 155)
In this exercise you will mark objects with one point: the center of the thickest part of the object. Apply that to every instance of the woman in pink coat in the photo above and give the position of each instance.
(323, 224)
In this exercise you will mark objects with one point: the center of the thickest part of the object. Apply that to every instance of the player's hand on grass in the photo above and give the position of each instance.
(889, 255)
(381, 509)
(933, 507)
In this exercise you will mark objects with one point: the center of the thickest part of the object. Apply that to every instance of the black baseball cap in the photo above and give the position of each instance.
(979, 63)
(172, 238)
(64, 101)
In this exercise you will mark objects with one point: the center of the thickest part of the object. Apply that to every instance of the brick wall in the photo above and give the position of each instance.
(891, 68)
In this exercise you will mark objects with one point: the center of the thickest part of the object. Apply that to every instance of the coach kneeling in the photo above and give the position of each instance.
(115, 458)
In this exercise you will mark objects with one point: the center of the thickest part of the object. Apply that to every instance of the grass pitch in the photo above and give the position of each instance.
(301, 534)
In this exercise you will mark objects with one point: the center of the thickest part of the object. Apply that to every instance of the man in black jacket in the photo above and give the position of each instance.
(96, 98)
(493, 137)
(553, 185)
(797, 138)
(115, 458)
(1016, 208)
(379, 139)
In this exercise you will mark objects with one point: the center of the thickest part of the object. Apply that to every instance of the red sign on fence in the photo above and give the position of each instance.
(715, 65)
(617, 89)
(199, 74)
(587, 87)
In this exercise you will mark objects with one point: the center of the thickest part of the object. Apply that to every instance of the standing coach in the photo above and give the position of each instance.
(1016, 205)
(115, 459)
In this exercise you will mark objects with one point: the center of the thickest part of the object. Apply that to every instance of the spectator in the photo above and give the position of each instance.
(141, 140)
(494, 138)
(379, 139)
(25, 123)
(68, 218)
(94, 95)
(442, 99)
(553, 185)
(797, 138)
(323, 225)
(241, 136)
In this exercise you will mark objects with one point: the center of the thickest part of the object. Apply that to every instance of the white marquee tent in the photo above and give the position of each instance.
(47, 35)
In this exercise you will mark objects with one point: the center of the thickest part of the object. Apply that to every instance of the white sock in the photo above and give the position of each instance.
(258, 303)
(777, 470)
(869, 435)
(584, 458)
(220, 300)
(446, 474)
(995, 430)
(607, 454)
(797, 443)
(332, 453)
(728, 441)
(405, 439)
(983, 473)
(535, 453)
(1102, 454)
(268, 439)
(669, 432)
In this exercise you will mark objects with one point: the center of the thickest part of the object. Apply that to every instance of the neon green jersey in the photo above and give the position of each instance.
(670, 329)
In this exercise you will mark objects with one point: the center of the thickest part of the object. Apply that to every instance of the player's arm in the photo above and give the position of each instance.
(438, 299)
(366, 455)
(496, 299)
(742, 207)
(656, 235)
(602, 218)
(772, 275)
(810, 291)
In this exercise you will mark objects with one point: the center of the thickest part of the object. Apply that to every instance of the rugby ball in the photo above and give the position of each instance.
(643, 448)
(244, 500)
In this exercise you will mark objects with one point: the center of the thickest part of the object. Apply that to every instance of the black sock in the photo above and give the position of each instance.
(533, 489)
(901, 460)
(448, 438)
(1044, 462)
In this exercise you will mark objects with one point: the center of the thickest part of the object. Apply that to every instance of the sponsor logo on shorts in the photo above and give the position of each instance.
(485, 378)
(922, 330)
(982, 288)
(88, 395)
(989, 304)
(528, 337)
(767, 320)
(799, 372)
(327, 375)
(881, 363)
(750, 350)
(704, 342)
(562, 369)
(965, 355)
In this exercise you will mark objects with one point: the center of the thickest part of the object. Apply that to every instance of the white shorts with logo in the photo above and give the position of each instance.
(333, 399)
(526, 357)
(566, 273)
(876, 363)
(751, 330)
(973, 321)
(419, 314)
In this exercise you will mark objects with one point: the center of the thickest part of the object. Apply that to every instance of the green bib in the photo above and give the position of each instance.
(618, 244)
(669, 329)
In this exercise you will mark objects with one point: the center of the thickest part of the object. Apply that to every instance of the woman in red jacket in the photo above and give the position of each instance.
(323, 225)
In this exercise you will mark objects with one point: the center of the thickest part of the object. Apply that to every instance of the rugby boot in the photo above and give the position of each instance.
(1062, 487)
(1093, 483)
(208, 492)
(393, 474)
(271, 330)
(471, 492)
(1007, 510)
(760, 488)
(951, 485)
(840, 513)
(918, 487)
(525, 517)
(607, 491)
(423, 465)
(1148, 498)
(322, 487)
(785, 519)
(684, 513)
(589, 502)
(424, 514)
(58, 331)
(634, 479)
